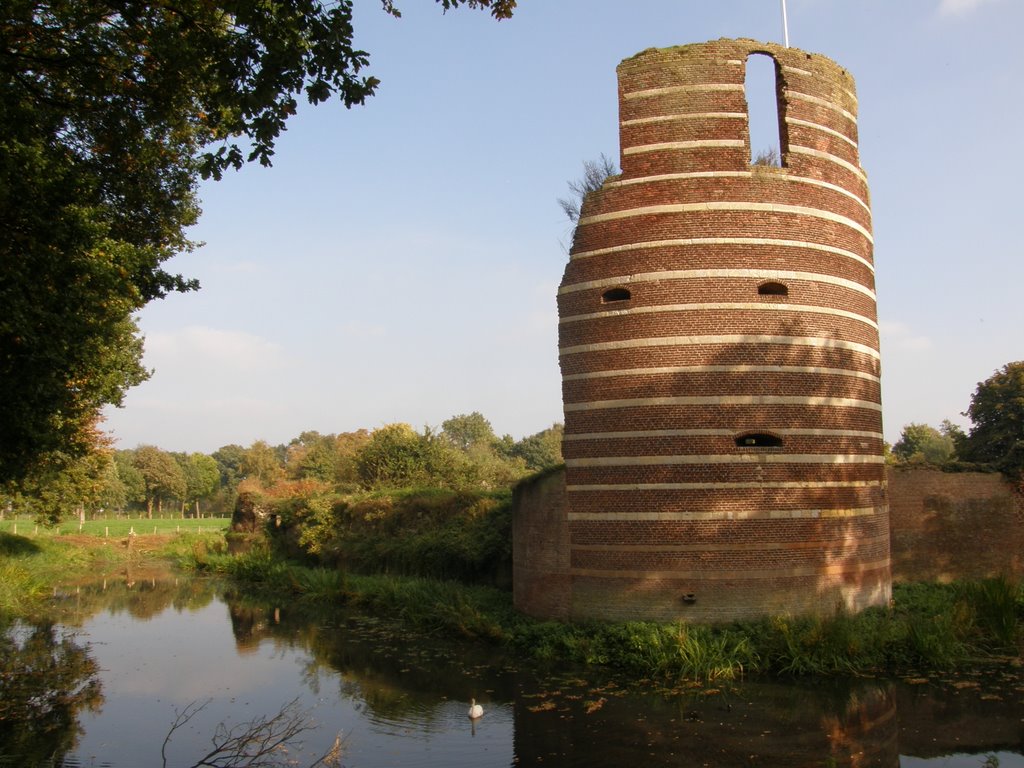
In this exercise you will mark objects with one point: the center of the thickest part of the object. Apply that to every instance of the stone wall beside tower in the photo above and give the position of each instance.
(718, 343)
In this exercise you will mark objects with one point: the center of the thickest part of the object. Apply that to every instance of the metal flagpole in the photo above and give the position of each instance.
(785, 25)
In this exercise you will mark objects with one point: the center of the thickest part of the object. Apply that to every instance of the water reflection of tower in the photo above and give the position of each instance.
(719, 353)
(771, 724)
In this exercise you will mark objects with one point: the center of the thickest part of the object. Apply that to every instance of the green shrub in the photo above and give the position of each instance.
(433, 533)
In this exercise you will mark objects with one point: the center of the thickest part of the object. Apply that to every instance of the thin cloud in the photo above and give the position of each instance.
(958, 7)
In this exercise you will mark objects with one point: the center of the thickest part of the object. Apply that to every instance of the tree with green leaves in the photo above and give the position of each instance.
(202, 478)
(467, 430)
(110, 112)
(395, 456)
(541, 450)
(312, 456)
(347, 447)
(924, 444)
(262, 463)
(229, 460)
(131, 480)
(996, 436)
(74, 484)
(161, 474)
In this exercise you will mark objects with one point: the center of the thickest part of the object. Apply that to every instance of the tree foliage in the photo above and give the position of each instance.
(110, 112)
(467, 430)
(921, 443)
(464, 455)
(396, 456)
(325, 458)
(202, 477)
(996, 412)
(541, 450)
(296, 479)
(130, 478)
(229, 460)
(161, 474)
(67, 484)
(263, 463)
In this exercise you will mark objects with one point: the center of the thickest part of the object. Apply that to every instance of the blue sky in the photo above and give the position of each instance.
(400, 260)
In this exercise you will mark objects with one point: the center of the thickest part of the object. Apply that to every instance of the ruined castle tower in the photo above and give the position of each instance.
(719, 352)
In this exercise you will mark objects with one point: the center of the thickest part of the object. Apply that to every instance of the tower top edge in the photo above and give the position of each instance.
(726, 50)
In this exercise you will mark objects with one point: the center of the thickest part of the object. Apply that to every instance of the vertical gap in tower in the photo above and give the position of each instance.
(762, 92)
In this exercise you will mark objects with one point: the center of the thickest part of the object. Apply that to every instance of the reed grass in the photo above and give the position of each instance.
(268, 574)
(437, 606)
(995, 607)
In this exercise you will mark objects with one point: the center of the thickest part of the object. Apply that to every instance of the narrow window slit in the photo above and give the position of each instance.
(616, 294)
(758, 440)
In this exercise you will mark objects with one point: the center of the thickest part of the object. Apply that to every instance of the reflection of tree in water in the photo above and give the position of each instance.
(142, 594)
(46, 679)
(393, 671)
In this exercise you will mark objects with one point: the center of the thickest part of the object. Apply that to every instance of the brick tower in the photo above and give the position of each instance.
(719, 352)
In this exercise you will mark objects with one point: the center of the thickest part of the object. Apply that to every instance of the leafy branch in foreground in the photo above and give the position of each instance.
(258, 743)
(110, 113)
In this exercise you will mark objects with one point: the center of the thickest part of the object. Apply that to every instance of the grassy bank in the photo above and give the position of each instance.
(31, 566)
(929, 627)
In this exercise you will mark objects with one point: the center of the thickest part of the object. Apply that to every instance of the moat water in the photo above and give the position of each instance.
(104, 685)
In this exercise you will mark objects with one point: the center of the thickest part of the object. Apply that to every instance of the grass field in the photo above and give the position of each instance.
(117, 527)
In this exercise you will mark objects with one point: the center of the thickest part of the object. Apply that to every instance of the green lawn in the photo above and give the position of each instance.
(117, 527)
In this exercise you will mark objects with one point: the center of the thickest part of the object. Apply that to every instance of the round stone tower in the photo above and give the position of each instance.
(718, 343)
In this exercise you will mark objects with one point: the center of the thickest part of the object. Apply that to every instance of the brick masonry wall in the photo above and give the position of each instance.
(707, 301)
(540, 548)
(942, 526)
(949, 526)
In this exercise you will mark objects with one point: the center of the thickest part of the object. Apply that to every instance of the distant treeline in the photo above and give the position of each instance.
(464, 454)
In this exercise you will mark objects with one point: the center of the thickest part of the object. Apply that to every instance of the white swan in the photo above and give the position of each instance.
(475, 710)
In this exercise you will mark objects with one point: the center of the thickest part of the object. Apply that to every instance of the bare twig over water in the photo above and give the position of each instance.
(258, 743)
